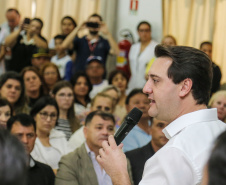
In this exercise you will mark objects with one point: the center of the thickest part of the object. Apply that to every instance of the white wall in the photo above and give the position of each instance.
(148, 10)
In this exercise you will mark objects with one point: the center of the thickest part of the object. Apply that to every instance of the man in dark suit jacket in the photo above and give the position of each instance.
(23, 126)
(80, 167)
(139, 156)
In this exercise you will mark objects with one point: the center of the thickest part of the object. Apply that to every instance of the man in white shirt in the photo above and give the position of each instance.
(178, 89)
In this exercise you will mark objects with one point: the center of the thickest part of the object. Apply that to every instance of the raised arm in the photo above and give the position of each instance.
(11, 40)
(39, 42)
(112, 42)
(114, 162)
(67, 43)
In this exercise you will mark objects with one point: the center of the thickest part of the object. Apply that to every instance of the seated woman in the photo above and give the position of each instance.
(34, 86)
(12, 89)
(218, 100)
(50, 144)
(63, 94)
(5, 112)
(119, 79)
(81, 87)
(50, 75)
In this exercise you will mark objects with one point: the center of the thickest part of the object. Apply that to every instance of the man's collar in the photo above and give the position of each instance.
(31, 162)
(188, 119)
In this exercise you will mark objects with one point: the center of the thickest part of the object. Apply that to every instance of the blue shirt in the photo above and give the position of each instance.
(81, 46)
(135, 139)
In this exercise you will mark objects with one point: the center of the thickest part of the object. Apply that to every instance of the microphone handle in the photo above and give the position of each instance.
(124, 129)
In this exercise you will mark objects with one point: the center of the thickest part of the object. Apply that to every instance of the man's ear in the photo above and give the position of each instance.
(185, 87)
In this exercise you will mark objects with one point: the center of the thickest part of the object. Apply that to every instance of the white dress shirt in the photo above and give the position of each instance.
(181, 160)
(102, 177)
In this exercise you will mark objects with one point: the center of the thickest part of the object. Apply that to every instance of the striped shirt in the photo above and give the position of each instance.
(64, 126)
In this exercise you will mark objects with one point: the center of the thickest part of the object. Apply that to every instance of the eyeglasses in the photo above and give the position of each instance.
(144, 30)
(45, 115)
(62, 95)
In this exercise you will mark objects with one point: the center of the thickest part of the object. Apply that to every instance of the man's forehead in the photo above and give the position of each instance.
(17, 127)
(98, 120)
(160, 64)
(94, 19)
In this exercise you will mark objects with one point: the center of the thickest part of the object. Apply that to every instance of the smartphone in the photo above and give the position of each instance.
(26, 21)
(92, 24)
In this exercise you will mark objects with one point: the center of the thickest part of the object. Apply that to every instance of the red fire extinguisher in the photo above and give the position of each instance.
(124, 46)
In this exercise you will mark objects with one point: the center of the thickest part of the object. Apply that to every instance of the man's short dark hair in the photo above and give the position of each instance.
(15, 76)
(205, 43)
(188, 62)
(143, 22)
(217, 162)
(103, 115)
(62, 37)
(13, 160)
(133, 93)
(24, 119)
(96, 15)
(13, 10)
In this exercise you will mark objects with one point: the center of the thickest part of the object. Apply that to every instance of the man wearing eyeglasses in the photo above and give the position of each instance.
(23, 126)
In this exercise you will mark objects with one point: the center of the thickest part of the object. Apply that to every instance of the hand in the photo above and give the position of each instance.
(25, 27)
(112, 159)
(82, 26)
(104, 28)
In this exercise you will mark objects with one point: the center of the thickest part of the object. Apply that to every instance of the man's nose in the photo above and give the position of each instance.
(147, 88)
(105, 131)
(24, 139)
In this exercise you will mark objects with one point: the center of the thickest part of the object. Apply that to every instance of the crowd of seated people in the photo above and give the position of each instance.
(58, 99)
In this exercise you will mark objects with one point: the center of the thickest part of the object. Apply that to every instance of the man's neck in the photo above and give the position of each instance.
(154, 146)
(61, 55)
(93, 149)
(91, 37)
(144, 124)
(96, 81)
(188, 107)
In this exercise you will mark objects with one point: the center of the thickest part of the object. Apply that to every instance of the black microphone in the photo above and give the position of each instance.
(128, 123)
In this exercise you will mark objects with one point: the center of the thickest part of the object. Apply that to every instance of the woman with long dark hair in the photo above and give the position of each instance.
(50, 144)
(67, 121)
(82, 87)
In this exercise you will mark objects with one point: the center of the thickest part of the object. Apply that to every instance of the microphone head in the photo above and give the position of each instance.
(135, 114)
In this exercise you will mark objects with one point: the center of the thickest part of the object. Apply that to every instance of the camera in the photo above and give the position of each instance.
(26, 21)
(92, 24)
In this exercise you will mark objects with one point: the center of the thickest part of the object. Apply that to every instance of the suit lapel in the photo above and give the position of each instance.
(87, 165)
